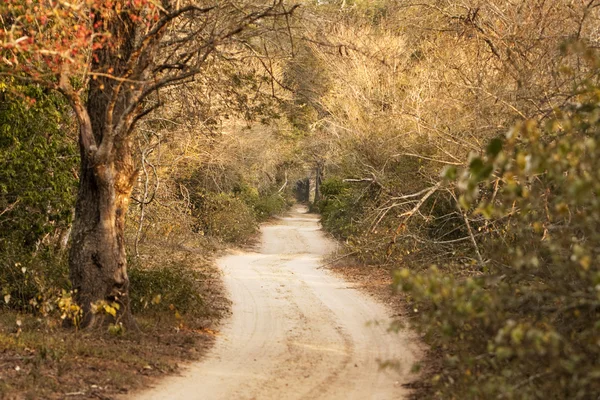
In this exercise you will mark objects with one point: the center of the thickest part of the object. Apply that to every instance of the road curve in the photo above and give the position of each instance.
(296, 331)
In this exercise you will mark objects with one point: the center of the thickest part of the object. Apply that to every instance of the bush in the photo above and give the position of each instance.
(33, 283)
(269, 205)
(226, 217)
(169, 288)
(264, 205)
(37, 164)
(527, 324)
(37, 192)
(234, 217)
(338, 207)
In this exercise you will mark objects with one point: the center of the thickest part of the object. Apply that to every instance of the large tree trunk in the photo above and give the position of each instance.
(98, 261)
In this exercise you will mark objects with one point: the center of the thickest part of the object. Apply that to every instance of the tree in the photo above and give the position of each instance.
(110, 60)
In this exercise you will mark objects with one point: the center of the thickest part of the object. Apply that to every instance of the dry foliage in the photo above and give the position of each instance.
(422, 91)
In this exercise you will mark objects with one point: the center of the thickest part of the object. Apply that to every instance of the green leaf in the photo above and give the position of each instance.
(449, 172)
(476, 165)
(495, 147)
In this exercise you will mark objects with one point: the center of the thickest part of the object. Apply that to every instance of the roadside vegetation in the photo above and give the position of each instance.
(453, 146)
(175, 227)
(462, 158)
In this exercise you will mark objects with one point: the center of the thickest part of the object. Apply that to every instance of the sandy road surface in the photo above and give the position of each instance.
(297, 331)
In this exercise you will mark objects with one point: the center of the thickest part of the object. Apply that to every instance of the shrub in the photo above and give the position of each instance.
(264, 205)
(338, 207)
(225, 216)
(527, 324)
(269, 205)
(37, 189)
(169, 288)
(37, 164)
(33, 283)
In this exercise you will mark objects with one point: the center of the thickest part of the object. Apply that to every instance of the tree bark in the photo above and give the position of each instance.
(318, 179)
(97, 259)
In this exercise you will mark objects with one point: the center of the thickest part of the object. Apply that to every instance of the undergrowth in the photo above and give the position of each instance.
(234, 217)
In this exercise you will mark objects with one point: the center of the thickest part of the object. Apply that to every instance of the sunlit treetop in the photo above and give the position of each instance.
(40, 40)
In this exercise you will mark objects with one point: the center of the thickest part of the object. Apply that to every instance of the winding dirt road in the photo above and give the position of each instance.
(296, 331)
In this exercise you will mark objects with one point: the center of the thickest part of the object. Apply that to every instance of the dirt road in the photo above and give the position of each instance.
(297, 331)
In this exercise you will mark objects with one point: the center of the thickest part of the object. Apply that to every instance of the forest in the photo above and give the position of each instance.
(451, 147)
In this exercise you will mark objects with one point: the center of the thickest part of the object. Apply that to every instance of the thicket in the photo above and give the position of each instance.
(461, 152)
(235, 217)
(527, 322)
(232, 209)
(38, 160)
